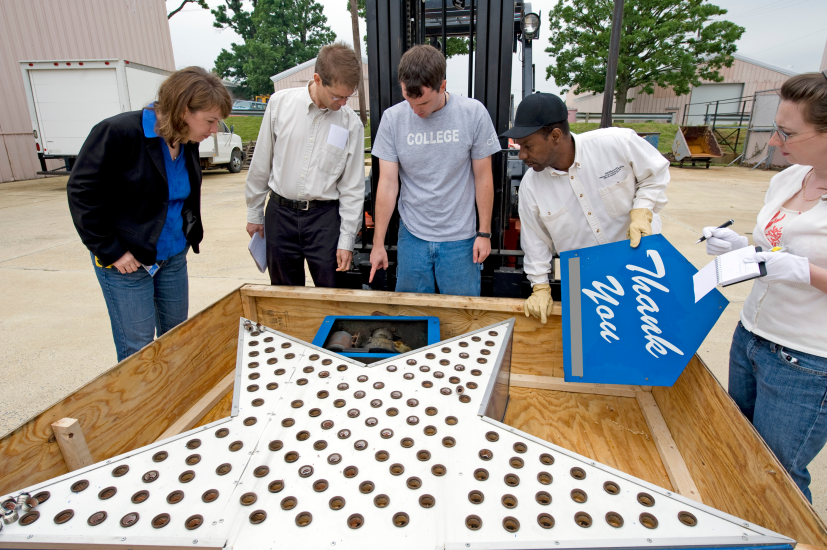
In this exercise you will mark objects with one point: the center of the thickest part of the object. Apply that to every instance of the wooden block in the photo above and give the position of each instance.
(560, 384)
(672, 460)
(72, 444)
(201, 407)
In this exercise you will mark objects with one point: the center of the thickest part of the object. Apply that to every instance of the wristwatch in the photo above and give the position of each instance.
(484, 235)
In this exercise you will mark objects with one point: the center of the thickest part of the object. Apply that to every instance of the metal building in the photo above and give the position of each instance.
(31, 30)
(299, 75)
(743, 79)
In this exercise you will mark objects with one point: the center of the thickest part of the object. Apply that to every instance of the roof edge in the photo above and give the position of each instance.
(309, 63)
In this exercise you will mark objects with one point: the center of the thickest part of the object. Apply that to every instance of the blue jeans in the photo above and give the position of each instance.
(782, 392)
(141, 306)
(425, 265)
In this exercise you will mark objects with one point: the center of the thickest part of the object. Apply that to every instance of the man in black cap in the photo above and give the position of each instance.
(584, 190)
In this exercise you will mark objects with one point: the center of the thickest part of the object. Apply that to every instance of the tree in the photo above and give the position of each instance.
(671, 43)
(277, 34)
(202, 3)
(456, 45)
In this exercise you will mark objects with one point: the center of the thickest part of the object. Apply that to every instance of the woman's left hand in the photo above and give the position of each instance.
(782, 266)
(127, 263)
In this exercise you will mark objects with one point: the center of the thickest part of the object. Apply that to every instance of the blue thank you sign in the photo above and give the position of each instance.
(629, 314)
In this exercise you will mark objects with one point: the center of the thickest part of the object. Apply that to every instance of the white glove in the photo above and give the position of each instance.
(782, 267)
(723, 240)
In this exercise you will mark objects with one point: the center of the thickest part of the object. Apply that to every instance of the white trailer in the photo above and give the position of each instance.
(66, 98)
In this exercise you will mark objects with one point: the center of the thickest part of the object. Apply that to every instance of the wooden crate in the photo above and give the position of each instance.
(689, 438)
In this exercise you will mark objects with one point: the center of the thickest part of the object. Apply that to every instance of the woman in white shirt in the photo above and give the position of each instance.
(778, 358)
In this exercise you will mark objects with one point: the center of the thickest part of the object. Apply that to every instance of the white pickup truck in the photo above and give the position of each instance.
(67, 98)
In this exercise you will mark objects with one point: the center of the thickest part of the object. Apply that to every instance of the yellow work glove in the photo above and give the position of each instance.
(539, 303)
(640, 225)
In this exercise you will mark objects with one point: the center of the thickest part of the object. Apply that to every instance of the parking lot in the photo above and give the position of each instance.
(56, 333)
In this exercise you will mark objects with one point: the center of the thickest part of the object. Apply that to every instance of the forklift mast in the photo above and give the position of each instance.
(495, 28)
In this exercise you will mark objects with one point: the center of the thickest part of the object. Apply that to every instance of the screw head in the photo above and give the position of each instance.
(467, 545)
(648, 540)
(195, 541)
(30, 536)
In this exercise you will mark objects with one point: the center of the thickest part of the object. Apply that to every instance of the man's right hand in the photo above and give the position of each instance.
(378, 260)
(539, 303)
(255, 228)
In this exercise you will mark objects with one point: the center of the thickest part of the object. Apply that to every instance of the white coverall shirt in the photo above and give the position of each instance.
(614, 171)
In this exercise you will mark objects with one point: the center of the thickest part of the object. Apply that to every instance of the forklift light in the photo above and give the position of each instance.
(530, 25)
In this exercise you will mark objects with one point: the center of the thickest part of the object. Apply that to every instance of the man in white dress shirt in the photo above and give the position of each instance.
(310, 159)
(584, 190)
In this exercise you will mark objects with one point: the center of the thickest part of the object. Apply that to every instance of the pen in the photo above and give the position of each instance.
(727, 224)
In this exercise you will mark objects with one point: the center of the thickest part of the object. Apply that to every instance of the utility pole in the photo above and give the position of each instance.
(357, 47)
(611, 68)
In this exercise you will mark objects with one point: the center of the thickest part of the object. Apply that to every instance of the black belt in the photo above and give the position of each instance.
(299, 205)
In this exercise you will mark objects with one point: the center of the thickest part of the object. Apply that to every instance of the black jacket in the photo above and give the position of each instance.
(118, 193)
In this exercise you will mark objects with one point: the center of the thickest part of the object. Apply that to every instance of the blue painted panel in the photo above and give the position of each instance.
(636, 320)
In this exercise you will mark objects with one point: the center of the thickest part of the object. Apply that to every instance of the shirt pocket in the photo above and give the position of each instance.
(560, 225)
(333, 160)
(618, 197)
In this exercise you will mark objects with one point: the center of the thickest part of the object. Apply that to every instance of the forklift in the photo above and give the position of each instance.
(498, 30)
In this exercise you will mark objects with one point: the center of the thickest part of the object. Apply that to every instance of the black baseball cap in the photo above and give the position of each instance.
(536, 111)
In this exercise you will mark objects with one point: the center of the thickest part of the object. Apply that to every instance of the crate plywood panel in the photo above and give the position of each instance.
(133, 403)
(302, 453)
(222, 409)
(731, 465)
(610, 430)
(299, 312)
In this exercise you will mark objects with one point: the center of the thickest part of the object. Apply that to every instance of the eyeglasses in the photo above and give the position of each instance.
(784, 136)
(334, 98)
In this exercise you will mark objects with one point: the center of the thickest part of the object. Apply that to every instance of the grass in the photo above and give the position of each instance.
(667, 131)
(247, 128)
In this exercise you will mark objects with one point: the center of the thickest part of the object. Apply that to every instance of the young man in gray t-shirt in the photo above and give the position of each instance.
(441, 146)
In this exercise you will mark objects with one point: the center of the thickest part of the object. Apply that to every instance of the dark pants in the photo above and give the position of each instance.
(295, 235)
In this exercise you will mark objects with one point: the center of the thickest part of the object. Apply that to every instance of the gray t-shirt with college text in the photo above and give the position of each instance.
(437, 197)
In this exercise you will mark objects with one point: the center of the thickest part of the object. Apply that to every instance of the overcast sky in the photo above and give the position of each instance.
(786, 33)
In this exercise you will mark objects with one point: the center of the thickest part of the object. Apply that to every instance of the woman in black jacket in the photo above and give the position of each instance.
(135, 199)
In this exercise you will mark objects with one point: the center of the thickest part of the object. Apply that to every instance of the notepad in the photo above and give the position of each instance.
(258, 250)
(727, 269)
